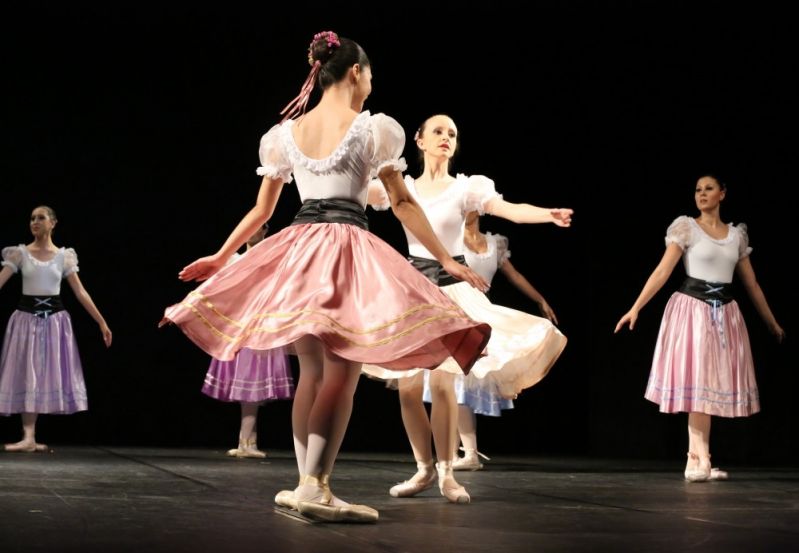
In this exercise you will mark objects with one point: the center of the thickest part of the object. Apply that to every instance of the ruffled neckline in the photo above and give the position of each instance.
(459, 178)
(355, 132)
(491, 247)
(726, 240)
(36, 261)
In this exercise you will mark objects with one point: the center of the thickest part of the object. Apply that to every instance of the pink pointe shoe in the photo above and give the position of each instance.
(449, 487)
(424, 479)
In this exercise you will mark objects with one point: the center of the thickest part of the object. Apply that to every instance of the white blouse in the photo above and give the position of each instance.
(486, 264)
(446, 211)
(41, 278)
(371, 143)
(705, 257)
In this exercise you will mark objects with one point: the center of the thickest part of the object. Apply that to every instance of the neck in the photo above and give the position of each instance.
(710, 218)
(338, 96)
(473, 240)
(44, 242)
(436, 168)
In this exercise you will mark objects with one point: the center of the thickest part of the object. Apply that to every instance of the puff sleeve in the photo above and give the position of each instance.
(12, 257)
(388, 141)
(479, 191)
(680, 232)
(743, 241)
(377, 197)
(70, 262)
(274, 160)
(503, 253)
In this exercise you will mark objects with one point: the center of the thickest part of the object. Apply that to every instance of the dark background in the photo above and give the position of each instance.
(140, 125)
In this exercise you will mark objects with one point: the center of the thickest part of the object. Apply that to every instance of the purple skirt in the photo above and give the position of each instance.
(251, 377)
(703, 363)
(40, 370)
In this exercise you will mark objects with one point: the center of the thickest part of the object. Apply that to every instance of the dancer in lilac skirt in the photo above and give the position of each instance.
(703, 363)
(40, 370)
(251, 379)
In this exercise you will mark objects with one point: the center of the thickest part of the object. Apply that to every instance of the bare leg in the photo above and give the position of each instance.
(327, 422)
(444, 418)
(248, 436)
(697, 468)
(414, 417)
(28, 442)
(467, 427)
(417, 427)
(310, 355)
(444, 414)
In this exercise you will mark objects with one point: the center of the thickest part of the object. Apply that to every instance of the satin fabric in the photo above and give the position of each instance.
(700, 365)
(338, 283)
(252, 377)
(40, 369)
(521, 351)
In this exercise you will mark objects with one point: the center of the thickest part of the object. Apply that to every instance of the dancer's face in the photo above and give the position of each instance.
(708, 194)
(41, 224)
(439, 137)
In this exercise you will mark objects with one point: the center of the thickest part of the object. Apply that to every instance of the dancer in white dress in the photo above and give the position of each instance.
(485, 253)
(522, 347)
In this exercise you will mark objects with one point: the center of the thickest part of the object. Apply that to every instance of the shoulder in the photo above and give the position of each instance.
(382, 124)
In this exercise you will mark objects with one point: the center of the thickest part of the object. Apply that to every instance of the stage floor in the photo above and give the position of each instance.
(92, 499)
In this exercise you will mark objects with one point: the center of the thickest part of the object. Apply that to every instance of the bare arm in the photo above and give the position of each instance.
(5, 274)
(204, 267)
(520, 282)
(86, 301)
(411, 215)
(655, 282)
(526, 213)
(747, 276)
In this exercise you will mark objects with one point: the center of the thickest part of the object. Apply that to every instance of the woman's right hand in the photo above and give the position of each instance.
(201, 269)
(464, 273)
(629, 318)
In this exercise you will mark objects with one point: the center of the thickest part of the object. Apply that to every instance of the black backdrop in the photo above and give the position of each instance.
(140, 125)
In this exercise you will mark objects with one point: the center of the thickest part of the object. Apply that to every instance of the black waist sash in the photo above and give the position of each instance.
(714, 293)
(41, 306)
(433, 270)
(332, 210)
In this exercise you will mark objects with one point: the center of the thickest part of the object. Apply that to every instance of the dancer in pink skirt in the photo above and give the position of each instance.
(40, 370)
(325, 287)
(251, 379)
(703, 363)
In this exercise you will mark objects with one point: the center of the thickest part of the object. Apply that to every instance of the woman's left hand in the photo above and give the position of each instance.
(201, 269)
(106, 334)
(562, 216)
(547, 312)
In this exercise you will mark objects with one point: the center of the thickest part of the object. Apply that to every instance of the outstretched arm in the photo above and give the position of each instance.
(655, 282)
(411, 215)
(747, 275)
(204, 267)
(526, 213)
(520, 282)
(5, 274)
(86, 301)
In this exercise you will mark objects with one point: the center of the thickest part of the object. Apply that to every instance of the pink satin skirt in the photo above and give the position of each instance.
(336, 282)
(703, 363)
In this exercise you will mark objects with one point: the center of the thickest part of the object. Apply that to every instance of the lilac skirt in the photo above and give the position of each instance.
(40, 370)
(703, 363)
(251, 377)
